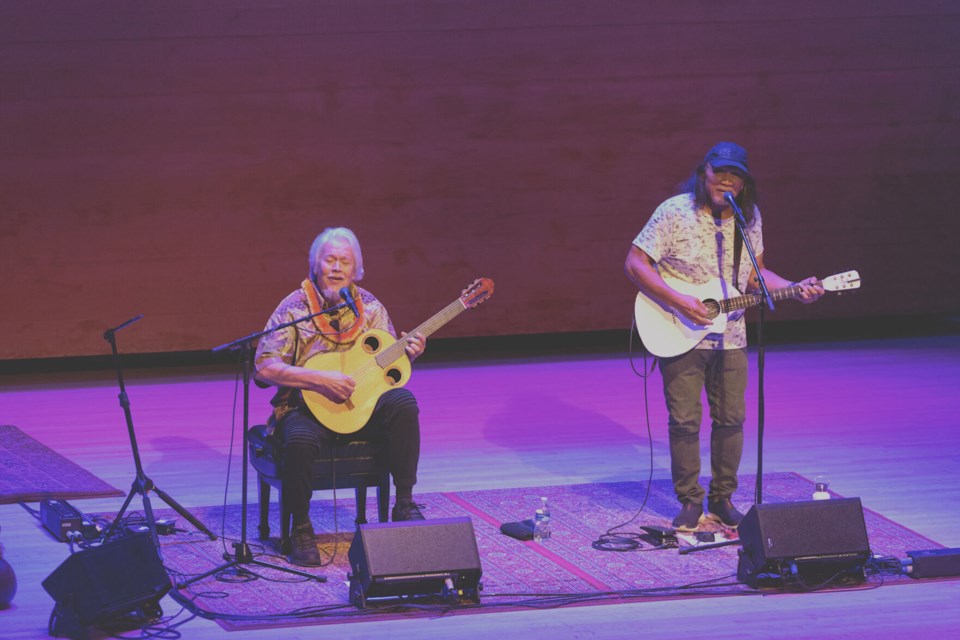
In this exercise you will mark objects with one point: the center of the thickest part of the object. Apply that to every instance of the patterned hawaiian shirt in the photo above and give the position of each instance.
(296, 344)
(689, 244)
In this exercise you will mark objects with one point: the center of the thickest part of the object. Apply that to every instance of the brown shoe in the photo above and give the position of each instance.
(722, 511)
(406, 510)
(689, 518)
(303, 546)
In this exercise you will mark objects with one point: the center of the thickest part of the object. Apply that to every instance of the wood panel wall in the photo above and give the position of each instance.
(176, 158)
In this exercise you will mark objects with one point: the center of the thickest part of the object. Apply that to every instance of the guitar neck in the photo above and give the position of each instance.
(756, 299)
(442, 317)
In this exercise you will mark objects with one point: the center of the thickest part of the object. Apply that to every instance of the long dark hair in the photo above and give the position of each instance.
(696, 184)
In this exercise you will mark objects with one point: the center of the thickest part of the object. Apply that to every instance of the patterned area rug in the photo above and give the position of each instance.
(30, 472)
(565, 570)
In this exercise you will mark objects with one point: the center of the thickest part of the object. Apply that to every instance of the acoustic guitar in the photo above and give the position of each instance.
(377, 363)
(667, 333)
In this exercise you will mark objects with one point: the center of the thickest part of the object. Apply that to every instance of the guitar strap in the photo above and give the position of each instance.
(737, 250)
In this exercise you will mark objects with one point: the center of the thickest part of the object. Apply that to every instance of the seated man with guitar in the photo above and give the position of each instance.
(306, 361)
(692, 239)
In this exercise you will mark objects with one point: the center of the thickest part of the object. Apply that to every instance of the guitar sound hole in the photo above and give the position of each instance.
(713, 307)
(371, 344)
(393, 376)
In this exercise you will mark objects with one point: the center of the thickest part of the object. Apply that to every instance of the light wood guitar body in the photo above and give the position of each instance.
(372, 382)
(377, 363)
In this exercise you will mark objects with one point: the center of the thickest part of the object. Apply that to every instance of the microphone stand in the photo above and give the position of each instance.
(142, 484)
(713, 545)
(761, 351)
(243, 555)
(742, 226)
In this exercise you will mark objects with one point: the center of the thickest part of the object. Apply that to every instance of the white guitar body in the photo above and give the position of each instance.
(667, 333)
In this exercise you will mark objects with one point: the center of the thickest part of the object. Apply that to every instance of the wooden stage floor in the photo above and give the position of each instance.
(879, 417)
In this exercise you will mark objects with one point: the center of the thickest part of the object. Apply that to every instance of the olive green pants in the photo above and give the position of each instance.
(723, 374)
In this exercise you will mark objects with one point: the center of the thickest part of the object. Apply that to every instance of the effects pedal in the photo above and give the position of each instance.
(661, 537)
(134, 529)
(165, 527)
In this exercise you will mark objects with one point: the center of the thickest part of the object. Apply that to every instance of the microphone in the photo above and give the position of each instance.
(349, 301)
(733, 205)
(108, 334)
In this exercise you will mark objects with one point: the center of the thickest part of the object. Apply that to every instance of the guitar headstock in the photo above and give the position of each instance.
(846, 281)
(479, 291)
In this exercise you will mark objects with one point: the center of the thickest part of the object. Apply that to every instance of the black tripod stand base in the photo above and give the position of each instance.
(173, 504)
(142, 486)
(244, 551)
(245, 556)
(715, 545)
(296, 572)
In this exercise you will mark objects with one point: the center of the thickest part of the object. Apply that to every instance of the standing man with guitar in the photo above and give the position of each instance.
(336, 264)
(691, 239)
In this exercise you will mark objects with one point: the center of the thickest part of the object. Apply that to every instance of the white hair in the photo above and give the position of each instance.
(331, 234)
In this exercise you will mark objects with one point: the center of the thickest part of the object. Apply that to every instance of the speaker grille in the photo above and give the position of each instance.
(411, 558)
(421, 547)
(821, 540)
(111, 579)
(799, 531)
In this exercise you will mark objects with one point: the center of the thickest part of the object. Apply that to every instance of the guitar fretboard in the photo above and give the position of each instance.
(445, 315)
(755, 299)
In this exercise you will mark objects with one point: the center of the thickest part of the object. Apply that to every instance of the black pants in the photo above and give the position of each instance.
(395, 423)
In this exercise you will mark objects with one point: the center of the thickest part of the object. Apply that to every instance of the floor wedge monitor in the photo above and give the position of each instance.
(95, 585)
(803, 544)
(424, 557)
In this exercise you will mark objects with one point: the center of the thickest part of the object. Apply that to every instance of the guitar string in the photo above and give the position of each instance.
(374, 366)
(389, 355)
(753, 299)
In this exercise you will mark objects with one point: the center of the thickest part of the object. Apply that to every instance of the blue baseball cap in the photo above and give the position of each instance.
(727, 154)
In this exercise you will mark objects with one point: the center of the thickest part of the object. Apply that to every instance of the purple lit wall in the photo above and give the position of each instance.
(176, 158)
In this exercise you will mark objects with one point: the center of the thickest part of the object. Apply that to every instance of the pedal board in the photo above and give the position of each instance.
(61, 518)
(659, 536)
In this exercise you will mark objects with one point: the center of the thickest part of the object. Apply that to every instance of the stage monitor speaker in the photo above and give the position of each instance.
(422, 557)
(97, 584)
(803, 542)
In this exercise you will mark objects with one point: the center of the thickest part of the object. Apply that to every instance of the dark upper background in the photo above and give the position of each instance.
(177, 158)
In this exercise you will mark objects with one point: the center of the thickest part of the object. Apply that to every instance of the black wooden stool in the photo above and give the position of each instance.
(357, 464)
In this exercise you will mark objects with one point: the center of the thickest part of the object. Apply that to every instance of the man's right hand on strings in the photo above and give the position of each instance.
(693, 309)
(333, 385)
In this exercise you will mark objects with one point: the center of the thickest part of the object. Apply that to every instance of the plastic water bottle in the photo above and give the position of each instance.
(541, 522)
(820, 485)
